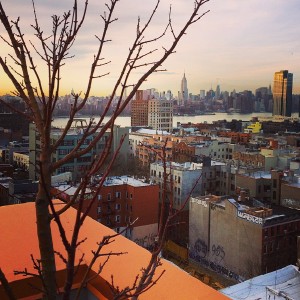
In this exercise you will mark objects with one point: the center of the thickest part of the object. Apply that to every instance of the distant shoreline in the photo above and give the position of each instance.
(125, 121)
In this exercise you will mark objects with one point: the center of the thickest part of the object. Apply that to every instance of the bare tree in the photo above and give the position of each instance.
(40, 98)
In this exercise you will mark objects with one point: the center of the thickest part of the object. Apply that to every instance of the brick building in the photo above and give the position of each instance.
(236, 137)
(151, 149)
(264, 186)
(120, 201)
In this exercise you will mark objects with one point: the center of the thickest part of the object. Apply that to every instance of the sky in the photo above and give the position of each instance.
(239, 44)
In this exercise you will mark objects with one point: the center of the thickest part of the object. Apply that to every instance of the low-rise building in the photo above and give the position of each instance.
(22, 191)
(120, 202)
(4, 155)
(136, 138)
(78, 165)
(4, 190)
(281, 284)
(21, 160)
(153, 149)
(290, 190)
(6, 170)
(241, 239)
(253, 128)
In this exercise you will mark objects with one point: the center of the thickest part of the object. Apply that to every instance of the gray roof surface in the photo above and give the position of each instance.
(277, 285)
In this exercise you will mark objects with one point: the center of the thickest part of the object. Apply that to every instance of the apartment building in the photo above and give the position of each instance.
(208, 175)
(261, 185)
(236, 137)
(77, 166)
(241, 239)
(120, 202)
(149, 109)
(137, 138)
(154, 149)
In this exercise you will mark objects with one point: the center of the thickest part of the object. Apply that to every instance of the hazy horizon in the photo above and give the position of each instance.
(238, 44)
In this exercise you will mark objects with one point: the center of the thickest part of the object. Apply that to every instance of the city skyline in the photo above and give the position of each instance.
(238, 44)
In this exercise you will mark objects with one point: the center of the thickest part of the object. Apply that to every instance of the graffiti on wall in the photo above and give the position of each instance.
(291, 203)
(199, 253)
(217, 253)
(147, 241)
(201, 248)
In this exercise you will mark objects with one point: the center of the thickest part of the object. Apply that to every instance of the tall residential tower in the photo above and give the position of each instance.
(149, 109)
(282, 93)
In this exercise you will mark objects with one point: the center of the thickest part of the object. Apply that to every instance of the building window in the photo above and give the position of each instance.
(99, 209)
(272, 231)
(118, 195)
(178, 179)
(178, 191)
(265, 249)
(63, 151)
(108, 197)
(118, 206)
(68, 143)
(99, 197)
(271, 247)
(130, 196)
(117, 219)
(118, 230)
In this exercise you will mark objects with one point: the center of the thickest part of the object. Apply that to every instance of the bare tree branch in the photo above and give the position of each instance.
(6, 286)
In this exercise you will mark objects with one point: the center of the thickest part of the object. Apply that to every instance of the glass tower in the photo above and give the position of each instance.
(282, 93)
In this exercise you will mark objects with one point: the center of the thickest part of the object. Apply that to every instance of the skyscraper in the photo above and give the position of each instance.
(184, 90)
(218, 92)
(282, 93)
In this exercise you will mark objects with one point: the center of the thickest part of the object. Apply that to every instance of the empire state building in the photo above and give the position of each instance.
(184, 93)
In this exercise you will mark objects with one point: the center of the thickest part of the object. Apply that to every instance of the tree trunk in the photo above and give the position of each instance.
(44, 229)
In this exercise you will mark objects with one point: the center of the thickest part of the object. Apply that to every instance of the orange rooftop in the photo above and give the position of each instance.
(18, 240)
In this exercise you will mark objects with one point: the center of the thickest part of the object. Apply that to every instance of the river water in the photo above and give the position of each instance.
(125, 121)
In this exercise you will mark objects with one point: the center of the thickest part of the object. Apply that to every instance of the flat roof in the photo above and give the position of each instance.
(120, 180)
(151, 131)
(285, 281)
(69, 189)
(258, 174)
